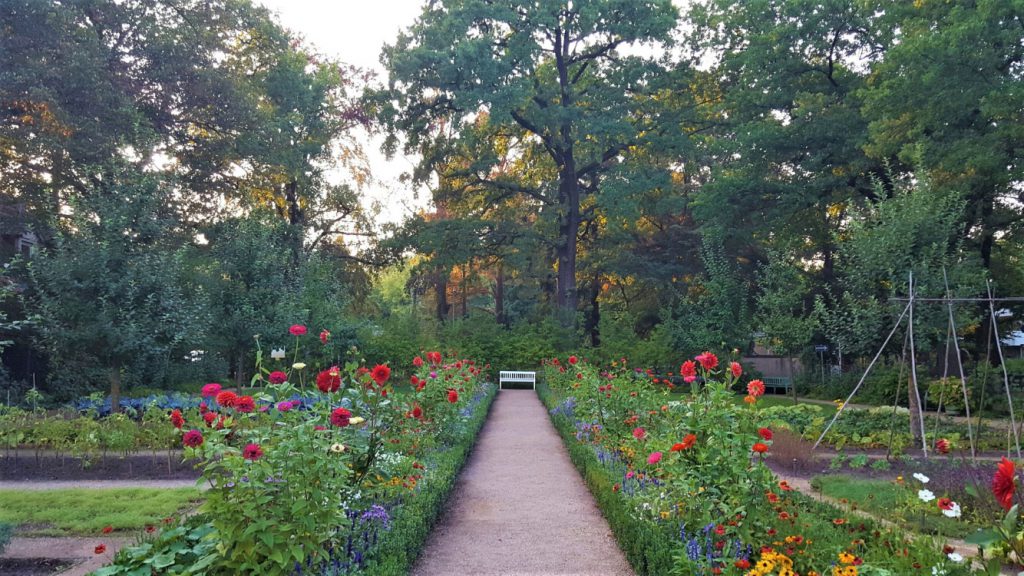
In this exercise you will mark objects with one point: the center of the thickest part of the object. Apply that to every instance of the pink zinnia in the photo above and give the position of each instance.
(284, 406)
(639, 433)
(277, 377)
(324, 336)
(654, 458)
(252, 452)
(211, 390)
(297, 330)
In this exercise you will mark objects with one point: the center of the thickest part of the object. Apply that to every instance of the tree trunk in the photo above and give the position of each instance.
(499, 295)
(239, 370)
(593, 326)
(441, 287)
(569, 226)
(115, 389)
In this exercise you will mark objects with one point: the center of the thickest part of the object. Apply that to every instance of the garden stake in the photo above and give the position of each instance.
(1006, 377)
(960, 364)
(913, 369)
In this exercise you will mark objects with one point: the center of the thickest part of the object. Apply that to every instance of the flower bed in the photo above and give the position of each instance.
(683, 482)
(350, 483)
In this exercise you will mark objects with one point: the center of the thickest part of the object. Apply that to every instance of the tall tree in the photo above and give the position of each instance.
(557, 71)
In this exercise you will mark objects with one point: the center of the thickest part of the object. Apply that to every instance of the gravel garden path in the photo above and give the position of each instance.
(519, 507)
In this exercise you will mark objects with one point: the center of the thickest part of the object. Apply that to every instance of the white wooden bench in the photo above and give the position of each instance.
(517, 376)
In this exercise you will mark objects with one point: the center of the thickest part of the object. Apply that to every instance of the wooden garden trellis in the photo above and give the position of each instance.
(908, 312)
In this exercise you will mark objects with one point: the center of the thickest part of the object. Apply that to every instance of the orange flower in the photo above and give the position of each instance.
(839, 521)
(755, 388)
(688, 442)
(759, 447)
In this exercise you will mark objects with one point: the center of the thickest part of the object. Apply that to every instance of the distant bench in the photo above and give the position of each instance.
(520, 377)
(776, 383)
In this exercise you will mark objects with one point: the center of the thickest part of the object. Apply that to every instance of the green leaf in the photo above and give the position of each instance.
(983, 538)
(1010, 520)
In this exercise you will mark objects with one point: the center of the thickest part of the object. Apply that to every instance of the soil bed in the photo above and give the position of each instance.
(32, 566)
(26, 466)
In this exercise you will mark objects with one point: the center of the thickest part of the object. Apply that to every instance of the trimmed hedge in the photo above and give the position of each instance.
(648, 548)
(412, 525)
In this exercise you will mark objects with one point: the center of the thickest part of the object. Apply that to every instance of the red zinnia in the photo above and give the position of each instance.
(380, 374)
(759, 447)
(765, 433)
(209, 418)
(177, 420)
(100, 549)
(573, 360)
(945, 504)
(245, 404)
(277, 377)
(329, 380)
(736, 369)
(417, 361)
(688, 371)
(434, 357)
(417, 412)
(297, 330)
(1004, 483)
(942, 446)
(107, 529)
(453, 396)
(687, 442)
(707, 360)
(742, 564)
(340, 417)
(252, 452)
(227, 398)
(755, 388)
(324, 336)
(192, 439)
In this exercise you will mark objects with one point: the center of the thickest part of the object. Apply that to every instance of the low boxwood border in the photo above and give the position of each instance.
(412, 525)
(648, 549)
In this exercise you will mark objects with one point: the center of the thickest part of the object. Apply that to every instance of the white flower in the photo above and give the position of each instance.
(953, 512)
(955, 557)
(926, 495)
(277, 354)
(299, 365)
(337, 448)
(921, 478)
(937, 572)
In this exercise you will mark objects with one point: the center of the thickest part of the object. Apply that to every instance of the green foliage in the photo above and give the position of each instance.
(182, 550)
(86, 512)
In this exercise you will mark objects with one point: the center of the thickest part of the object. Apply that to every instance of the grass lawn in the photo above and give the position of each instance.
(86, 512)
(885, 499)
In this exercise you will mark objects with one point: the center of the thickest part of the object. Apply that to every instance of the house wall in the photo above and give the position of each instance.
(774, 366)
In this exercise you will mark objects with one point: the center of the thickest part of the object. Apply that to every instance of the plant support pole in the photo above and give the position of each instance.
(865, 375)
(960, 364)
(913, 370)
(1002, 364)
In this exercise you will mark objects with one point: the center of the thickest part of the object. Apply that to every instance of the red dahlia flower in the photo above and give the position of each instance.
(765, 433)
(340, 417)
(688, 371)
(573, 360)
(707, 360)
(245, 404)
(177, 420)
(755, 388)
(380, 374)
(227, 398)
(1004, 483)
(297, 330)
(434, 357)
(759, 447)
(252, 452)
(417, 362)
(736, 369)
(329, 380)
(192, 439)
(453, 396)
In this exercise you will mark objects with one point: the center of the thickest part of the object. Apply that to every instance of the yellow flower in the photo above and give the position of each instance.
(299, 365)
(337, 448)
(356, 420)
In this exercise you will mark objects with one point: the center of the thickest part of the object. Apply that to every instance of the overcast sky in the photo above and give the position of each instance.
(354, 31)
